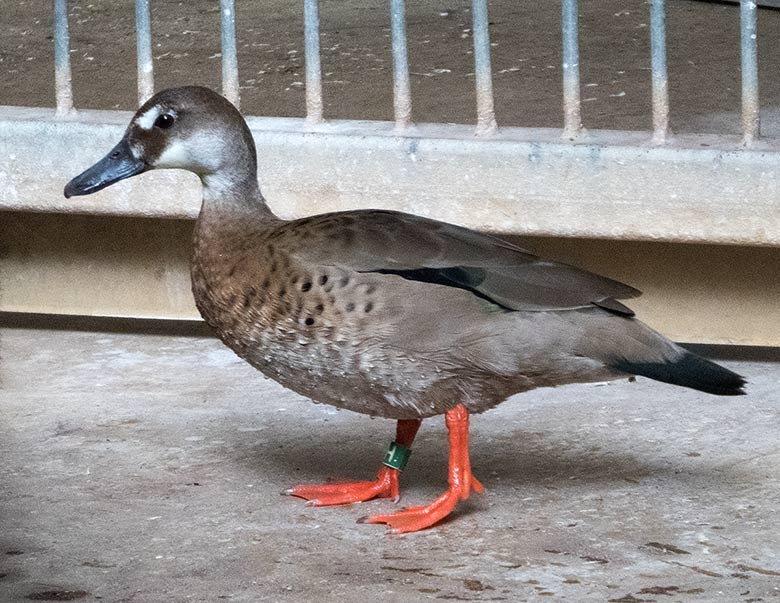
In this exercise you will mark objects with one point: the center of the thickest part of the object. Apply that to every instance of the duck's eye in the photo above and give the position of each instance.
(164, 122)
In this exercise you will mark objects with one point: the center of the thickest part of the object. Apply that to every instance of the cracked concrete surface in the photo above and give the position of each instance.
(147, 467)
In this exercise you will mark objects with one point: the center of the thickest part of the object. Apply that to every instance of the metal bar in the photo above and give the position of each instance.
(486, 116)
(62, 75)
(143, 36)
(311, 33)
(230, 89)
(402, 94)
(572, 119)
(660, 77)
(750, 107)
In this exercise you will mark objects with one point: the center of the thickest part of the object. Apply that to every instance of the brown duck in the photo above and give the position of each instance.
(381, 312)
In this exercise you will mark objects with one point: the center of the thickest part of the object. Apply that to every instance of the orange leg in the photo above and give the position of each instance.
(462, 482)
(385, 485)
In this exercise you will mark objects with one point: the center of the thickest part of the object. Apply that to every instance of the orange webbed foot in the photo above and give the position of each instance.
(413, 519)
(323, 495)
(384, 486)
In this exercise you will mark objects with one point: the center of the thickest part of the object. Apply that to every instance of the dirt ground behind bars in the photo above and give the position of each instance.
(703, 41)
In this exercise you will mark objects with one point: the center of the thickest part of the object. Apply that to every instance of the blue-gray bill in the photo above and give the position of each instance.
(120, 163)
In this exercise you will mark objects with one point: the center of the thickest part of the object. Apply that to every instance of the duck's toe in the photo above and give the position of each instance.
(323, 495)
(413, 519)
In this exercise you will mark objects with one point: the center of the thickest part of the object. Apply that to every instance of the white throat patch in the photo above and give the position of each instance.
(175, 155)
(201, 152)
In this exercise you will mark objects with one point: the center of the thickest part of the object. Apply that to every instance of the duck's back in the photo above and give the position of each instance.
(393, 315)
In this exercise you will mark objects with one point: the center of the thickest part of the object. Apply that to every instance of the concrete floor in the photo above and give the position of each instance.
(147, 469)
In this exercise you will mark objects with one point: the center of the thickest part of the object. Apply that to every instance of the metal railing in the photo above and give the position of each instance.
(62, 74)
(658, 68)
(311, 25)
(402, 88)
(143, 28)
(749, 49)
(486, 120)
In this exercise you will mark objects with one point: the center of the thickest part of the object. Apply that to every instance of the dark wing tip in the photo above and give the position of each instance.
(689, 370)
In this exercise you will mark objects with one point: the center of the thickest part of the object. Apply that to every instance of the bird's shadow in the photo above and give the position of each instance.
(517, 459)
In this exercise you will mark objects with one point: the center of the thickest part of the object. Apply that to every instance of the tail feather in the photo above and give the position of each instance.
(688, 370)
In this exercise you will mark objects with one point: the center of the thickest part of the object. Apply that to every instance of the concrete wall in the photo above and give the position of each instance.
(527, 181)
(113, 266)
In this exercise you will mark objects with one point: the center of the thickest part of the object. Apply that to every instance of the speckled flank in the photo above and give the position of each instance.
(315, 329)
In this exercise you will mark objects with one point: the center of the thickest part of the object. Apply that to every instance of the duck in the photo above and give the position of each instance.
(385, 313)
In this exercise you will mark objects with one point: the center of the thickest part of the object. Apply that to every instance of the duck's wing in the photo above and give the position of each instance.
(425, 250)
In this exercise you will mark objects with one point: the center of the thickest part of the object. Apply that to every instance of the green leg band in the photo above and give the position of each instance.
(397, 456)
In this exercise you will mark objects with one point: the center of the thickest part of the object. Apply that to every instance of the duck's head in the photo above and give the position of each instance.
(192, 128)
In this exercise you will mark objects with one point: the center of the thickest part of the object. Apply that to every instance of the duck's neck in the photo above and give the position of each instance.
(228, 192)
(233, 209)
(229, 177)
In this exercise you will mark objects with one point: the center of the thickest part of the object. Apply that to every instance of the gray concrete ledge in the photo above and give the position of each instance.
(146, 468)
(615, 185)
